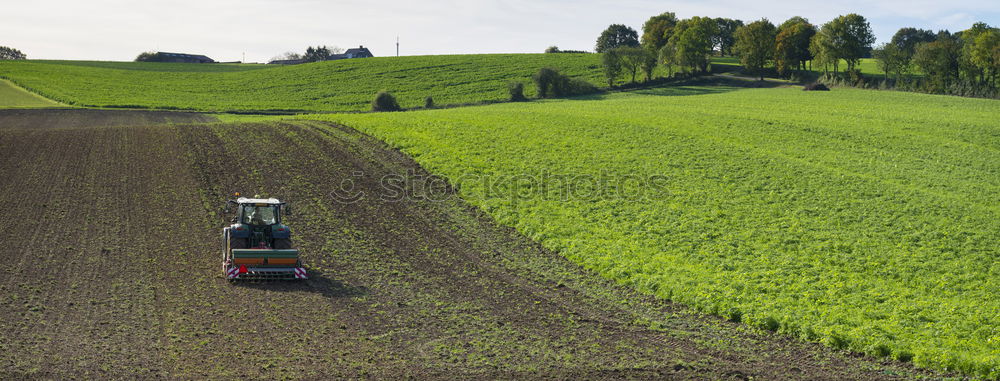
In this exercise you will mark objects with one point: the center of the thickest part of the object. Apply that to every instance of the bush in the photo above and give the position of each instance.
(384, 102)
(546, 81)
(429, 102)
(579, 87)
(148, 57)
(551, 83)
(815, 86)
(516, 90)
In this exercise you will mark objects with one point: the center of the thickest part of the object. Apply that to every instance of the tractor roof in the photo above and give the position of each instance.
(244, 200)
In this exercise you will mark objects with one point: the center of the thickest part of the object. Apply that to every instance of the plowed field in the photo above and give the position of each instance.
(111, 258)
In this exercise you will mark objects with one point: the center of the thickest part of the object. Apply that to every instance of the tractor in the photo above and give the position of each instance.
(257, 246)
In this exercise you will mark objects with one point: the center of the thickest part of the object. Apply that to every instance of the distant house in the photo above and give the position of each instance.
(182, 58)
(359, 52)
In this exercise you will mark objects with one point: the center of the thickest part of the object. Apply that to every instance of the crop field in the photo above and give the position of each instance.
(113, 268)
(12, 96)
(864, 220)
(345, 85)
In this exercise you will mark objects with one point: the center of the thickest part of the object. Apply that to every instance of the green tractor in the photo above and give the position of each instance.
(257, 245)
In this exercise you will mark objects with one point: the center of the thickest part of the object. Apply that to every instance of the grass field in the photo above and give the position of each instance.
(345, 85)
(335, 86)
(12, 96)
(865, 220)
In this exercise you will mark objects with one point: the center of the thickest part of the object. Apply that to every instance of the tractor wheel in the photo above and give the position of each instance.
(283, 243)
(237, 243)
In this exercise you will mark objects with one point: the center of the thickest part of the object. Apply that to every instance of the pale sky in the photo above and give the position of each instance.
(118, 30)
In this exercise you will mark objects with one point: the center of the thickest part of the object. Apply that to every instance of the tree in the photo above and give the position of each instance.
(891, 59)
(850, 37)
(552, 49)
(985, 54)
(822, 50)
(148, 57)
(898, 57)
(657, 30)
(725, 36)
(632, 59)
(907, 39)
(792, 44)
(612, 64)
(617, 35)
(692, 40)
(939, 59)
(649, 61)
(668, 58)
(286, 56)
(969, 65)
(755, 45)
(7, 53)
(319, 53)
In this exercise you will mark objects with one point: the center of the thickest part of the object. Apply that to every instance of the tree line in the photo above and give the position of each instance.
(970, 57)
(7, 53)
(312, 54)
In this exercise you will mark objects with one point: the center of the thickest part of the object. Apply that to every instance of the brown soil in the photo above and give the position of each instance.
(113, 249)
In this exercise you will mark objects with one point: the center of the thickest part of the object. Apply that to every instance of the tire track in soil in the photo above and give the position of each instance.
(400, 289)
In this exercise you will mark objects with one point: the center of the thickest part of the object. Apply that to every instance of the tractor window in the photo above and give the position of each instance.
(260, 215)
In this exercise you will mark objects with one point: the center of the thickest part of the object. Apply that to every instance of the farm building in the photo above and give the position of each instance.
(183, 58)
(359, 52)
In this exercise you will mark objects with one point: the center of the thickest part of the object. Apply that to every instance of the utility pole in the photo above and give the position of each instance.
(397, 46)
(244, 58)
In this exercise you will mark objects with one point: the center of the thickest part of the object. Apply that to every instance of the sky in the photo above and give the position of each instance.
(225, 30)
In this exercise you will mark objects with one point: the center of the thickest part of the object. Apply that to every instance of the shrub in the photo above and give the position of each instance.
(429, 102)
(545, 80)
(551, 83)
(516, 90)
(815, 86)
(579, 87)
(148, 57)
(384, 102)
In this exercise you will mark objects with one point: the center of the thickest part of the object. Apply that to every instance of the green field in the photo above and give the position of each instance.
(865, 220)
(345, 85)
(12, 96)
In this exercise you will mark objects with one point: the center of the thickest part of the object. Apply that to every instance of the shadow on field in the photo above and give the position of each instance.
(317, 283)
(714, 84)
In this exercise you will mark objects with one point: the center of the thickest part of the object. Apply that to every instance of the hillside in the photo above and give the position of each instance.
(12, 96)
(861, 219)
(344, 85)
(114, 270)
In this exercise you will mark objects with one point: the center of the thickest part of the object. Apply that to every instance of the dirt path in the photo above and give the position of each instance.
(114, 272)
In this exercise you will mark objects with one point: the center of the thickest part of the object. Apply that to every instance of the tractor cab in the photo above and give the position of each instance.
(259, 221)
(259, 214)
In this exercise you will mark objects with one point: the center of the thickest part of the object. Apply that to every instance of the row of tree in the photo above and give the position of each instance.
(684, 44)
(7, 53)
(971, 56)
(312, 54)
(795, 42)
